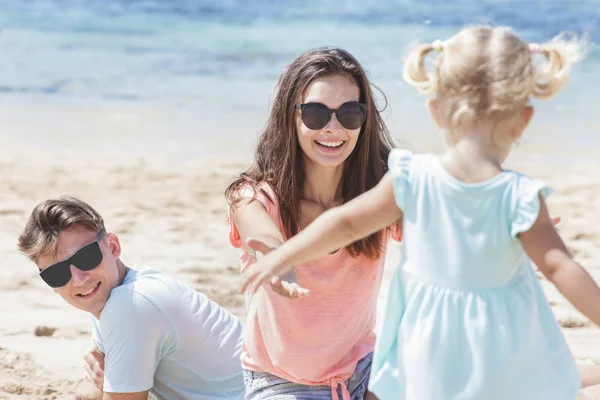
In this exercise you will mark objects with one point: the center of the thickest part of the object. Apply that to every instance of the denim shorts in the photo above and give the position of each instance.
(265, 386)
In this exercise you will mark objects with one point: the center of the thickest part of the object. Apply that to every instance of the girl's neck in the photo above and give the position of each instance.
(321, 184)
(475, 156)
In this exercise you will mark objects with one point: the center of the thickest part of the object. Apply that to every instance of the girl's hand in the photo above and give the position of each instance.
(256, 274)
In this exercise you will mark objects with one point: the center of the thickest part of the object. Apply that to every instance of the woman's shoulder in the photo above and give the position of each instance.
(261, 191)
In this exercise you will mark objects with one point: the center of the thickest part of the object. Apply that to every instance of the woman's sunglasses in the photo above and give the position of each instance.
(86, 259)
(315, 116)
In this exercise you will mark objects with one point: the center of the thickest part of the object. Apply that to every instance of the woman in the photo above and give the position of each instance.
(324, 144)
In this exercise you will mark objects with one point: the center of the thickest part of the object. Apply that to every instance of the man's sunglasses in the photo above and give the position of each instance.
(86, 259)
(315, 116)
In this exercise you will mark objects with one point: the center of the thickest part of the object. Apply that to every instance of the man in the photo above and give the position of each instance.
(155, 336)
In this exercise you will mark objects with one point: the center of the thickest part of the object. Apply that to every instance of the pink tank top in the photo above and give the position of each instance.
(318, 339)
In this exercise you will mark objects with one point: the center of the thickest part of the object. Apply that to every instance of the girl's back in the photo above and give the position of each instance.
(463, 235)
(466, 317)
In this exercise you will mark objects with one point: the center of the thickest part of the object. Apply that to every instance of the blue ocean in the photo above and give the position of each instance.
(202, 72)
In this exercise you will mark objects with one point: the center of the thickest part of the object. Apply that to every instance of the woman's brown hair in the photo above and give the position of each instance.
(278, 159)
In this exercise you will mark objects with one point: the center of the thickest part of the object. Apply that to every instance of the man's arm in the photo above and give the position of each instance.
(84, 391)
(87, 391)
(126, 396)
(90, 388)
(136, 334)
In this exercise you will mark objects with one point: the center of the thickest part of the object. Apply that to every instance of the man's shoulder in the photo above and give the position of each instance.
(147, 293)
(143, 289)
(142, 273)
(146, 280)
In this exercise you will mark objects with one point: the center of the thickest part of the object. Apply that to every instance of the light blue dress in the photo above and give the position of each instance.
(466, 318)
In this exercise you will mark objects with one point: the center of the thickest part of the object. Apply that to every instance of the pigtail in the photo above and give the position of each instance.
(415, 72)
(560, 54)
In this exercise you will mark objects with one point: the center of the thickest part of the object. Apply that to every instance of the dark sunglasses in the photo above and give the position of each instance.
(315, 116)
(86, 259)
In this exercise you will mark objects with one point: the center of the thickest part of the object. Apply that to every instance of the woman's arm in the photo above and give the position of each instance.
(252, 221)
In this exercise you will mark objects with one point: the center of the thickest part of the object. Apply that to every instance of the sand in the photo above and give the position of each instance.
(173, 216)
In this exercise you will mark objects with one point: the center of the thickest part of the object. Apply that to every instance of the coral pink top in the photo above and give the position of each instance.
(318, 339)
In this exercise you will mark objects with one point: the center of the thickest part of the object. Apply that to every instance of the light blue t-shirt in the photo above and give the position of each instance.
(160, 334)
(466, 317)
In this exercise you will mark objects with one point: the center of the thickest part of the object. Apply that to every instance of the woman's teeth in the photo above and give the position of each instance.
(330, 144)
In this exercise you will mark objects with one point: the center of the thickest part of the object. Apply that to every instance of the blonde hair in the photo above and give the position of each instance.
(488, 72)
(49, 218)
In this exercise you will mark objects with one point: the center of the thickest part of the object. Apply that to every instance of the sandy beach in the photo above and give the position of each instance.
(148, 109)
(173, 216)
(171, 219)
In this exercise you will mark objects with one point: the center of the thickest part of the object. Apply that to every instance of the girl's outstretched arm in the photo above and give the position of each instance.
(335, 228)
(547, 250)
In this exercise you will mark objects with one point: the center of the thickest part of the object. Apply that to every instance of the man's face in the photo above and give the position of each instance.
(86, 290)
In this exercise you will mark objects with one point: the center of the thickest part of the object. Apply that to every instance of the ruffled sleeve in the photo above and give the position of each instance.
(399, 165)
(527, 207)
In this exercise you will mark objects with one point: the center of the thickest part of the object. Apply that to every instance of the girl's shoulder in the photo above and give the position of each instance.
(525, 200)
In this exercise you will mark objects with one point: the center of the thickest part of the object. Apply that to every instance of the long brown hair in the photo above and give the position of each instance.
(278, 157)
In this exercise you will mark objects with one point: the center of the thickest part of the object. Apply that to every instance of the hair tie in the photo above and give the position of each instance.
(534, 48)
(437, 45)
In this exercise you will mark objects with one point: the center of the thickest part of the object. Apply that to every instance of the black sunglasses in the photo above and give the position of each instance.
(86, 259)
(316, 115)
